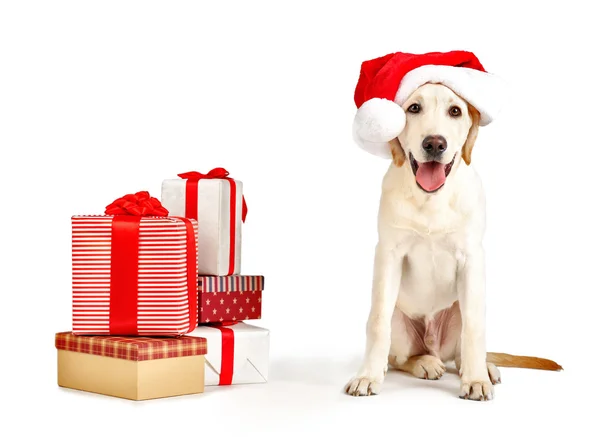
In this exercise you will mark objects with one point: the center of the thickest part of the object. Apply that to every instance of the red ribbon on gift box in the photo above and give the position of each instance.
(125, 232)
(191, 203)
(227, 351)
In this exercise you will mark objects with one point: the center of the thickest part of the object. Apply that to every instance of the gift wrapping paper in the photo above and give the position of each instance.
(229, 298)
(216, 202)
(134, 275)
(135, 368)
(237, 353)
(131, 348)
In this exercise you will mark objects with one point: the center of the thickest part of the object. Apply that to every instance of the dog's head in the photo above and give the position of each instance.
(441, 128)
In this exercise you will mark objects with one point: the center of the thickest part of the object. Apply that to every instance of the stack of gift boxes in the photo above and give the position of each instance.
(159, 303)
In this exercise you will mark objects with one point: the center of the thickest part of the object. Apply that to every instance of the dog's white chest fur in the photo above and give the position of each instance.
(428, 282)
(434, 233)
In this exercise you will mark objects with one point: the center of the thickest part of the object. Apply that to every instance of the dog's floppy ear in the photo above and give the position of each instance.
(397, 152)
(473, 131)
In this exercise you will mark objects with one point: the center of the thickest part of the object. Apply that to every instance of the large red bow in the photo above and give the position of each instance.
(215, 173)
(138, 204)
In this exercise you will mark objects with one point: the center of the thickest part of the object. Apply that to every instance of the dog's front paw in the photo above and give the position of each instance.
(364, 386)
(477, 390)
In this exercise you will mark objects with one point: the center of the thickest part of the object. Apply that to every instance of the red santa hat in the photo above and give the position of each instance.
(386, 83)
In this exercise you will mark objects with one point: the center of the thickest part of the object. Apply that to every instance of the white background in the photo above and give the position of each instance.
(103, 98)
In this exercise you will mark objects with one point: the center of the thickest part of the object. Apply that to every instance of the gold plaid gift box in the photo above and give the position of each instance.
(136, 368)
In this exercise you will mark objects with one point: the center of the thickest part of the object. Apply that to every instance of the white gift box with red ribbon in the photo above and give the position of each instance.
(217, 203)
(237, 353)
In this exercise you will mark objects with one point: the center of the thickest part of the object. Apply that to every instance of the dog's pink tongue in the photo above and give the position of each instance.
(431, 175)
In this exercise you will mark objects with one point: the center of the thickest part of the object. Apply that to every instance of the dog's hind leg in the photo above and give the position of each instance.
(423, 366)
(407, 339)
(409, 352)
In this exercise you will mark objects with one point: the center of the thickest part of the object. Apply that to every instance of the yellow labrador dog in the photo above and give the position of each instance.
(428, 295)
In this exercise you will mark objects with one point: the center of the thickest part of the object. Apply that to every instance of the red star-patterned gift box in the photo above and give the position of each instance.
(229, 298)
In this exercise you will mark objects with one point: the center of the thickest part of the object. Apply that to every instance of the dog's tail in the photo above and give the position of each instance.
(507, 360)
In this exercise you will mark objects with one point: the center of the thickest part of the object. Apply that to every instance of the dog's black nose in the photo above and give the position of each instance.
(434, 145)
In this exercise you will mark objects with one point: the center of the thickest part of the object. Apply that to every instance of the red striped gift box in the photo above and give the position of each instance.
(229, 298)
(134, 276)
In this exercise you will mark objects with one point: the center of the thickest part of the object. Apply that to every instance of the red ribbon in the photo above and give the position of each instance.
(227, 351)
(123, 304)
(192, 271)
(191, 203)
(125, 232)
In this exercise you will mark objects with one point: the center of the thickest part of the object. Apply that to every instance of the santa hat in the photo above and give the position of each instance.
(385, 84)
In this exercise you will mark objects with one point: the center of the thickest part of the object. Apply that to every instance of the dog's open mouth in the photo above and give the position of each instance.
(431, 175)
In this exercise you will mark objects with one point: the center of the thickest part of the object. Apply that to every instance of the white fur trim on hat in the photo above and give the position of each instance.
(376, 122)
(485, 91)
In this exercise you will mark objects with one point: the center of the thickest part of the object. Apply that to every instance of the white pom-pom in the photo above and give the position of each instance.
(376, 122)
(379, 120)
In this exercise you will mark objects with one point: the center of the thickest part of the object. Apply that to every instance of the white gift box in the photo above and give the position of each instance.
(247, 344)
(216, 203)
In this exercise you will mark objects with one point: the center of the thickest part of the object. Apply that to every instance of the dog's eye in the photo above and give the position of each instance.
(455, 111)
(415, 108)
